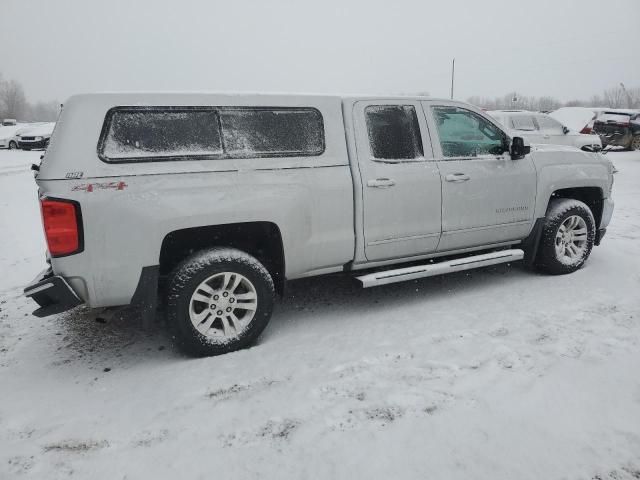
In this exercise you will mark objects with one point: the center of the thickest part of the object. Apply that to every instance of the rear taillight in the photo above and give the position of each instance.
(586, 130)
(62, 223)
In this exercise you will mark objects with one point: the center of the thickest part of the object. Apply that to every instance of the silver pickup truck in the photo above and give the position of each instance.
(209, 203)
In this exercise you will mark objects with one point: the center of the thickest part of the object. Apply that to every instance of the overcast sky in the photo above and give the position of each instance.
(567, 49)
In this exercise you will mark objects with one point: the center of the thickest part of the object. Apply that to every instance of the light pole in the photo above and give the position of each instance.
(453, 74)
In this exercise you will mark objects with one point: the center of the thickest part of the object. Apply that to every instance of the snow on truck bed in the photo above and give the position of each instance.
(492, 374)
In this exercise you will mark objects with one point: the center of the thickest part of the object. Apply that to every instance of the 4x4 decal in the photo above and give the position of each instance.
(90, 187)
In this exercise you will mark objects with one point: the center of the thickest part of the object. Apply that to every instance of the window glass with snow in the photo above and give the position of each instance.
(168, 132)
(549, 126)
(523, 122)
(466, 134)
(250, 132)
(394, 133)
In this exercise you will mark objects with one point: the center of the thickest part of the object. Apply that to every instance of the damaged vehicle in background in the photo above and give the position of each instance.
(540, 128)
(619, 128)
(36, 137)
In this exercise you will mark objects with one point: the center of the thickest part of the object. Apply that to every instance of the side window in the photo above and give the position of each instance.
(394, 132)
(272, 132)
(136, 134)
(523, 123)
(549, 125)
(183, 133)
(464, 133)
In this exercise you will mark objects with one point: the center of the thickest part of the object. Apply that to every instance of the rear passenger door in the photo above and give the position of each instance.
(551, 131)
(400, 181)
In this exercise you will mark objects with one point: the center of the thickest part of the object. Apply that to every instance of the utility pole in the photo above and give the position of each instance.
(453, 74)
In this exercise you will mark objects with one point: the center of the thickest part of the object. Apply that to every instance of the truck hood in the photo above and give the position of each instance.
(547, 147)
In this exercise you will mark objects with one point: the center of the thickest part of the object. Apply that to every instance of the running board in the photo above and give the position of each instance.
(458, 265)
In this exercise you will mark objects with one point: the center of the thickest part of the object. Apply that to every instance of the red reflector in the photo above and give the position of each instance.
(61, 221)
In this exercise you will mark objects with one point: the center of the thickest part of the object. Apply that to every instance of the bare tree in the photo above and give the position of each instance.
(13, 98)
(548, 104)
(43, 111)
(614, 97)
(634, 93)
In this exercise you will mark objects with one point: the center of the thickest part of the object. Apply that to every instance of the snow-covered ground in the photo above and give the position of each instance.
(492, 374)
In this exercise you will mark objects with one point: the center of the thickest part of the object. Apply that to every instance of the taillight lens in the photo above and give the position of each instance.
(62, 226)
(586, 130)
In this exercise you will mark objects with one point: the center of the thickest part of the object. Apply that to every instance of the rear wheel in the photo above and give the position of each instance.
(635, 142)
(219, 300)
(567, 237)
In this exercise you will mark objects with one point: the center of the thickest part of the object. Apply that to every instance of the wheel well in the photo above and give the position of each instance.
(260, 239)
(592, 196)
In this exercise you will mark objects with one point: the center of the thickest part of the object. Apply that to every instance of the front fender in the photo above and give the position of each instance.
(568, 168)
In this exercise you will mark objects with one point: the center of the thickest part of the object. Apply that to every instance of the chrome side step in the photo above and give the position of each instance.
(458, 265)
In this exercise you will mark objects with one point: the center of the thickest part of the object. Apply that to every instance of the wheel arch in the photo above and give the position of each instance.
(263, 240)
(593, 197)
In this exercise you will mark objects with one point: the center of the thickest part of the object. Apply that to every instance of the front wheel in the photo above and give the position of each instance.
(219, 300)
(13, 145)
(635, 142)
(567, 237)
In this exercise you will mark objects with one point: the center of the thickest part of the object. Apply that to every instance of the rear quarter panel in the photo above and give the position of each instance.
(130, 208)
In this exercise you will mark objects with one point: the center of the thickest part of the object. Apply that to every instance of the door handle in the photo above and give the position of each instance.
(457, 177)
(381, 183)
(546, 136)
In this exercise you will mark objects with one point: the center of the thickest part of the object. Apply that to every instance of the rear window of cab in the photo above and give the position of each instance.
(144, 134)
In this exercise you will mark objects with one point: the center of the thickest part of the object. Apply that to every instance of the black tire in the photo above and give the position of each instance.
(635, 143)
(13, 145)
(558, 212)
(185, 281)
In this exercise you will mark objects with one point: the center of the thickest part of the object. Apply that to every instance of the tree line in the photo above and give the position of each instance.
(615, 97)
(14, 104)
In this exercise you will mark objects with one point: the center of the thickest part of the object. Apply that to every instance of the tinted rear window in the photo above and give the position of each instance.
(394, 132)
(139, 134)
(523, 122)
(614, 117)
(279, 132)
(174, 133)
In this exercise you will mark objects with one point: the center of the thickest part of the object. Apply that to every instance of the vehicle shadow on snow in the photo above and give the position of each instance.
(335, 296)
(117, 336)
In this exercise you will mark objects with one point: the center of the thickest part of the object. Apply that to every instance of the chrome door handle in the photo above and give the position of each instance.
(457, 177)
(381, 183)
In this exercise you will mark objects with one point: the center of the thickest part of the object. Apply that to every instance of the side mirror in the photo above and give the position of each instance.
(518, 148)
(565, 130)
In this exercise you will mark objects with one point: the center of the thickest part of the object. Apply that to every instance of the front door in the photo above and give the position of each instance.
(400, 181)
(487, 197)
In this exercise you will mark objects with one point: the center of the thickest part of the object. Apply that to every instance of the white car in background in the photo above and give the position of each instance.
(35, 137)
(541, 128)
(8, 135)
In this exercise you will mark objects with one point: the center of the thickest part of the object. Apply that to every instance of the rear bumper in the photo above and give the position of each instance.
(52, 293)
(619, 139)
